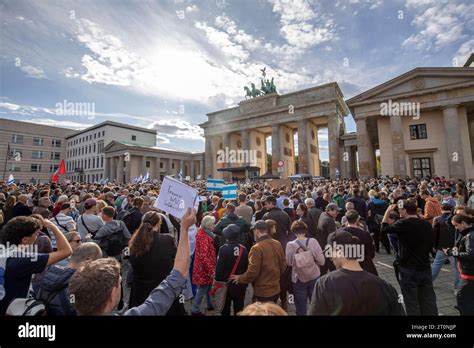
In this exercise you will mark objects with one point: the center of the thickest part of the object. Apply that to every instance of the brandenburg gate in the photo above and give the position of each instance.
(304, 112)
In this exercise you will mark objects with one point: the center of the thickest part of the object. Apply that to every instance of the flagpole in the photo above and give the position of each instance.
(6, 160)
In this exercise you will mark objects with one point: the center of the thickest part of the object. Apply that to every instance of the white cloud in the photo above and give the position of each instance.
(70, 73)
(440, 23)
(59, 123)
(301, 25)
(192, 8)
(31, 71)
(464, 52)
(177, 128)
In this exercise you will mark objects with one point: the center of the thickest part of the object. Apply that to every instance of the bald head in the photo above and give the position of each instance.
(23, 199)
(86, 251)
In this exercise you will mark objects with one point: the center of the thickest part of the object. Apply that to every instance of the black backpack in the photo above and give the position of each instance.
(114, 243)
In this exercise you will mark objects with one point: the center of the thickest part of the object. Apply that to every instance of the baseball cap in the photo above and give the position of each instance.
(89, 203)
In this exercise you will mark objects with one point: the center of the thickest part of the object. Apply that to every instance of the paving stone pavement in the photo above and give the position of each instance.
(443, 286)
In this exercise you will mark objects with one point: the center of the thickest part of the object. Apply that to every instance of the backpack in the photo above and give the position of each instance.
(114, 243)
(32, 306)
(304, 263)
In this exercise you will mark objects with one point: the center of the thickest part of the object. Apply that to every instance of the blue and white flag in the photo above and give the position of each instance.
(140, 179)
(214, 185)
(180, 175)
(11, 180)
(146, 178)
(229, 191)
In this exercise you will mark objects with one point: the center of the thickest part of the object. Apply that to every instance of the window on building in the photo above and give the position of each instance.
(161, 165)
(38, 141)
(36, 168)
(421, 167)
(148, 165)
(55, 156)
(418, 131)
(14, 167)
(17, 139)
(103, 133)
(134, 137)
(37, 154)
(102, 162)
(95, 147)
(97, 159)
(172, 166)
(88, 163)
(90, 148)
(56, 143)
(100, 146)
(15, 151)
(95, 135)
(53, 168)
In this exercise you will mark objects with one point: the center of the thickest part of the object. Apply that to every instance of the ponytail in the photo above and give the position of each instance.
(142, 239)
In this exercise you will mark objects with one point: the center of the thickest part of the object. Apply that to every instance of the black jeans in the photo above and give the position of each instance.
(236, 295)
(418, 293)
(465, 297)
(380, 237)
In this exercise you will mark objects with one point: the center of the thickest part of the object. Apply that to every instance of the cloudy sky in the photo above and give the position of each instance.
(165, 64)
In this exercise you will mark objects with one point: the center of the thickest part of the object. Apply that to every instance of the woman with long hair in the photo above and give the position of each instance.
(220, 209)
(151, 256)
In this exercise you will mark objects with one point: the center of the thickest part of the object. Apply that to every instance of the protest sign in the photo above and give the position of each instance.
(176, 197)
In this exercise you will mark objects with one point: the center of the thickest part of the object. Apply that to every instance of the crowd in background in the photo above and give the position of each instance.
(115, 253)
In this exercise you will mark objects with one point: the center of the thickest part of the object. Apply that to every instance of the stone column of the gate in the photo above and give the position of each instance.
(286, 151)
(208, 158)
(333, 142)
(258, 144)
(313, 149)
(277, 154)
(365, 150)
(308, 152)
(216, 145)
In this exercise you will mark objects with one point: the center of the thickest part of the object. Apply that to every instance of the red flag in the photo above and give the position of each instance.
(61, 171)
(62, 168)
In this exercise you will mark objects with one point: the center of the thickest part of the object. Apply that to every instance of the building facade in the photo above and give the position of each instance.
(35, 150)
(422, 122)
(126, 161)
(85, 157)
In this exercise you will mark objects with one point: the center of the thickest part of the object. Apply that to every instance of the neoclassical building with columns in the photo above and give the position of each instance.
(247, 126)
(126, 161)
(430, 129)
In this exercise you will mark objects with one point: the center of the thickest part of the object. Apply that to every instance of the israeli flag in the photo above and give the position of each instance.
(214, 185)
(146, 178)
(180, 174)
(11, 180)
(229, 191)
(140, 178)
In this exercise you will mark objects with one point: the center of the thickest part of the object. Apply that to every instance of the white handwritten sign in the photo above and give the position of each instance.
(176, 197)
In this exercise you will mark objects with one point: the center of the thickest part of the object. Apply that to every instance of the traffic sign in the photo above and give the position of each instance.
(281, 164)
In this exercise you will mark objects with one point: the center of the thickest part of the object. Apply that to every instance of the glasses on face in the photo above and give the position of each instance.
(77, 241)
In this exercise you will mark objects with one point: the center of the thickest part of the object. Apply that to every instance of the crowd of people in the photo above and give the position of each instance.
(91, 249)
